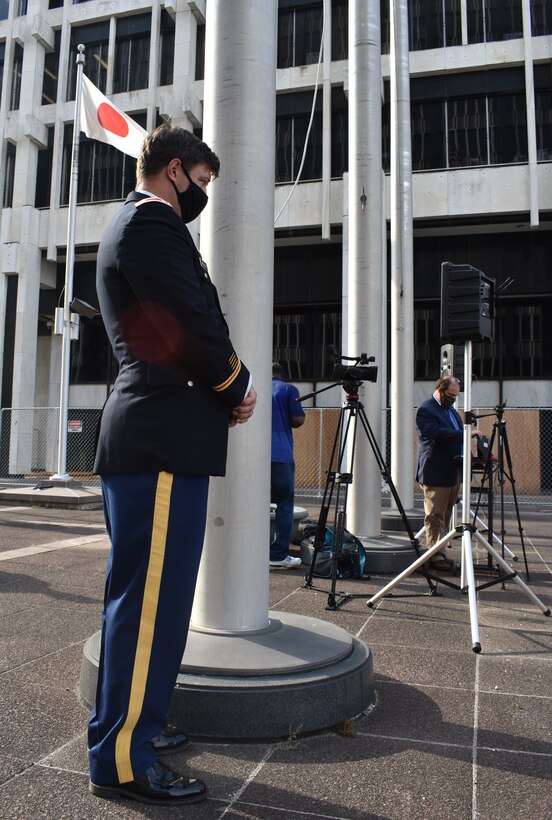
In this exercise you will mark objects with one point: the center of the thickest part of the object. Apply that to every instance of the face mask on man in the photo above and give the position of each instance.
(192, 201)
(447, 401)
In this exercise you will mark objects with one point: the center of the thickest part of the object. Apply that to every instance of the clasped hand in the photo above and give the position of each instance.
(243, 411)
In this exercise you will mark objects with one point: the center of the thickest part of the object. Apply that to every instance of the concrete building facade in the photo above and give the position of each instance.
(481, 125)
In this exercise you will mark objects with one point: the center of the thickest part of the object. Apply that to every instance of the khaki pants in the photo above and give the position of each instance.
(438, 505)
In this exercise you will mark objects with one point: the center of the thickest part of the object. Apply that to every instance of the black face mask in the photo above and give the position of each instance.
(192, 201)
(447, 401)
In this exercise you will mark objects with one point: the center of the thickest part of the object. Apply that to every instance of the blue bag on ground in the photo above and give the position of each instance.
(350, 563)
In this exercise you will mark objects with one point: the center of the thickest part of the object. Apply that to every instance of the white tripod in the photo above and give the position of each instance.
(468, 530)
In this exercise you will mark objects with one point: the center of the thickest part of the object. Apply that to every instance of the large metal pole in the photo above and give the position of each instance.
(62, 474)
(237, 241)
(365, 275)
(402, 264)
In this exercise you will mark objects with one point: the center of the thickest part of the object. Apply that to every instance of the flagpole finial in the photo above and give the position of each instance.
(80, 55)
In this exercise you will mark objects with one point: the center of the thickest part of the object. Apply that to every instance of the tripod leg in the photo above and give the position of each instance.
(468, 581)
(511, 572)
(416, 565)
(510, 475)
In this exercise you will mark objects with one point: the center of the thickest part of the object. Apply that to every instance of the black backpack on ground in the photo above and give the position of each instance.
(350, 563)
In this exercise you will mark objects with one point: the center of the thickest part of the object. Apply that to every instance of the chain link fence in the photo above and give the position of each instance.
(29, 444)
(526, 438)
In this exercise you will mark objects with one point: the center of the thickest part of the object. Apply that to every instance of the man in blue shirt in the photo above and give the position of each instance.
(287, 413)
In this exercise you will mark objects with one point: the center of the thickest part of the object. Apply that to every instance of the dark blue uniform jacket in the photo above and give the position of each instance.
(439, 441)
(179, 376)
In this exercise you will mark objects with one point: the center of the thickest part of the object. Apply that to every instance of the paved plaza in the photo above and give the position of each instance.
(453, 734)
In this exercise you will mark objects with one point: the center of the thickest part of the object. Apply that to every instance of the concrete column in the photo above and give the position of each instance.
(402, 262)
(364, 320)
(237, 243)
(531, 118)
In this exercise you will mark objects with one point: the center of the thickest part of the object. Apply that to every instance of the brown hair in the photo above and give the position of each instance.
(166, 143)
(445, 382)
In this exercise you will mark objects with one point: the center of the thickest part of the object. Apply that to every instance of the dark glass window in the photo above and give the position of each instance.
(4, 9)
(453, 23)
(299, 33)
(340, 29)
(104, 172)
(292, 118)
(541, 17)
(340, 133)
(2, 58)
(385, 27)
(95, 37)
(44, 172)
(428, 135)
(425, 24)
(166, 65)
(21, 8)
(55, 4)
(467, 132)
(15, 91)
(543, 115)
(307, 308)
(491, 20)
(9, 175)
(51, 72)
(507, 128)
(132, 48)
(200, 53)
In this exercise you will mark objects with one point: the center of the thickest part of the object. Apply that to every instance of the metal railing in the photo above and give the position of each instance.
(29, 437)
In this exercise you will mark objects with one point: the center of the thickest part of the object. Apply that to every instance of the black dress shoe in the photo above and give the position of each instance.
(168, 743)
(159, 785)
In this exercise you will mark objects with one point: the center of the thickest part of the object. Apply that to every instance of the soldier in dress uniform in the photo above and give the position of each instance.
(163, 432)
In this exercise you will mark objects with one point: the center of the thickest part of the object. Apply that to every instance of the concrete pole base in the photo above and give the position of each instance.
(296, 676)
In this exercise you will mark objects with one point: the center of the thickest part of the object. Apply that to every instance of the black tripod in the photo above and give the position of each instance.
(338, 482)
(496, 468)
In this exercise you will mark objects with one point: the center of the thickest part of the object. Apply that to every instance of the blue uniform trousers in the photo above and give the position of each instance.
(282, 493)
(156, 524)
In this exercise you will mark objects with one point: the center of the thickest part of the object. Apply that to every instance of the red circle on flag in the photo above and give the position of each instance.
(112, 120)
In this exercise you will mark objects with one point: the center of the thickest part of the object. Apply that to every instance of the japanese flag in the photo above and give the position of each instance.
(101, 120)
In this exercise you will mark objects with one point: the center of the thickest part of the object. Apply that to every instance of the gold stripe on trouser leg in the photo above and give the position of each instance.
(147, 626)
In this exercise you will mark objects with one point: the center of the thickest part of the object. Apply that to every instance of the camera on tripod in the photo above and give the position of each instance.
(361, 371)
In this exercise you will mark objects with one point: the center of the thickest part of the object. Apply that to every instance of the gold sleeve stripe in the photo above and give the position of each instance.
(147, 624)
(233, 360)
(220, 387)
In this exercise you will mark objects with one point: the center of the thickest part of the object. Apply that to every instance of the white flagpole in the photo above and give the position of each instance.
(62, 474)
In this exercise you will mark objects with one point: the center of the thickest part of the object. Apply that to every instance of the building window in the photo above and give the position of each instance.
(507, 128)
(434, 23)
(2, 58)
(340, 133)
(95, 38)
(132, 49)
(543, 115)
(541, 17)
(467, 132)
(44, 172)
(51, 72)
(340, 29)
(292, 119)
(299, 33)
(428, 135)
(4, 9)
(166, 66)
(15, 91)
(492, 20)
(200, 53)
(21, 8)
(9, 175)
(104, 172)
(55, 4)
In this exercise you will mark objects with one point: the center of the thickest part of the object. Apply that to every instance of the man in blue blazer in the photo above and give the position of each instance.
(440, 434)
(163, 432)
